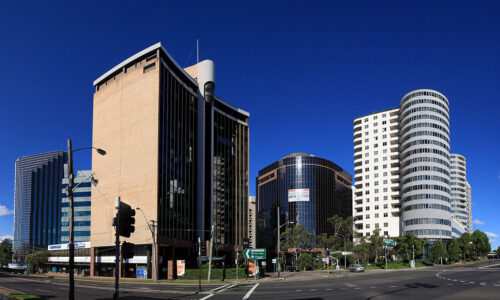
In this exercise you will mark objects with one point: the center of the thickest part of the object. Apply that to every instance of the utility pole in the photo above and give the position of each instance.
(71, 223)
(153, 232)
(116, 295)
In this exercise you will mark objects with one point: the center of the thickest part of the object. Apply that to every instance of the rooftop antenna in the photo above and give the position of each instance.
(197, 52)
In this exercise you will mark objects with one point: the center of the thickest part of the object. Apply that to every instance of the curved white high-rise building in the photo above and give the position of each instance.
(425, 164)
(459, 189)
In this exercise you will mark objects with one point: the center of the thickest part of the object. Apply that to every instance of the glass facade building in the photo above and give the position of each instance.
(309, 190)
(37, 202)
(81, 202)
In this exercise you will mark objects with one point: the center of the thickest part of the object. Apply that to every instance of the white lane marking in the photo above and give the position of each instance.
(44, 291)
(483, 283)
(298, 290)
(496, 284)
(462, 281)
(328, 289)
(472, 282)
(358, 288)
(63, 288)
(393, 286)
(206, 297)
(220, 287)
(247, 295)
(227, 288)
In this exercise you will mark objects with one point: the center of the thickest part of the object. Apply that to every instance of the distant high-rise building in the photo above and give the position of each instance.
(402, 168)
(308, 189)
(176, 151)
(81, 200)
(469, 207)
(252, 221)
(459, 189)
(37, 198)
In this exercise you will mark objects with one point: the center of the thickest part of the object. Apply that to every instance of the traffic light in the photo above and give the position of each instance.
(126, 217)
(127, 250)
(203, 248)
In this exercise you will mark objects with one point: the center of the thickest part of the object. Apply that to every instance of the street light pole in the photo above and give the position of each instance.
(72, 216)
(71, 224)
(278, 240)
(345, 264)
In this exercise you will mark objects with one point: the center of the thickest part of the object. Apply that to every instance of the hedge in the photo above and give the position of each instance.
(215, 274)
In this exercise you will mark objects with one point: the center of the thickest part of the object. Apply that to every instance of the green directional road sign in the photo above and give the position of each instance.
(254, 253)
(389, 242)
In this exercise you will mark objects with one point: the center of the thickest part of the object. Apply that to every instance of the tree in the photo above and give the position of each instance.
(324, 241)
(406, 244)
(466, 245)
(296, 237)
(37, 260)
(437, 251)
(5, 255)
(481, 243)
(454, 251)
(376, 243)
(305, 262)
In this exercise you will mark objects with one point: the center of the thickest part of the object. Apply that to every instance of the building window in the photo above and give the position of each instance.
(385, 205)
(376, 207)
(386, 232)
(376, 225)
(367, 234)
(385, 197)
(376, 216)
(385, 190)
(386, 224)
(367, 226)
(386, 215)
(376, 198)
(367, 208)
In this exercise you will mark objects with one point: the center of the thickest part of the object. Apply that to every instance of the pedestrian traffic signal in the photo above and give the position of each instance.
(126, 219)
(127, 250)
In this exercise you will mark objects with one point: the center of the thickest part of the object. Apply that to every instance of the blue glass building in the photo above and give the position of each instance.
(81, 201)
(309, 189)
(37, 202)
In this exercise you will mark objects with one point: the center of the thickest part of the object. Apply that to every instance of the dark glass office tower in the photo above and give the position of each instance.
(37, 197)
(309, 190)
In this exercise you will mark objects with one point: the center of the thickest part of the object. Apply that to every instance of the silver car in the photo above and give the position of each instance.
(356, 268)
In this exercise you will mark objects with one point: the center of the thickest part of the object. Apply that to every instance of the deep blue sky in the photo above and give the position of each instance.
(303, 69)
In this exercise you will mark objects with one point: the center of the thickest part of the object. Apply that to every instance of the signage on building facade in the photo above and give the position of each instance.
(298, 195)
(66, 246)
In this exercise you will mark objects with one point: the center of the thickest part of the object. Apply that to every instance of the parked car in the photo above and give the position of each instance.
(356, 268)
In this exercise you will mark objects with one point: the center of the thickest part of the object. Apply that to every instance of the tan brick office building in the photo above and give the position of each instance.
(174, 150)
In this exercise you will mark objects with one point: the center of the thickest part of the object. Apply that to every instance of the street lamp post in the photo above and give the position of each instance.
(345, 264)
(72, 216)
(152, 228)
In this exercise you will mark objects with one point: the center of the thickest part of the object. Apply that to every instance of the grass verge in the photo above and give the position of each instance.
(25, 296)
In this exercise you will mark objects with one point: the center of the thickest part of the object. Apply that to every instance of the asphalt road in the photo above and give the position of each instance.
(474, 281)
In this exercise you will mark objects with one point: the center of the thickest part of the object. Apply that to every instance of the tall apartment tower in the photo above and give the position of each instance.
(402, 168)
(376, 193)
(176, 151)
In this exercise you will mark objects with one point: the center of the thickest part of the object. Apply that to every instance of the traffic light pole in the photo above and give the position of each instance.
(71, 223)
(117, 250)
